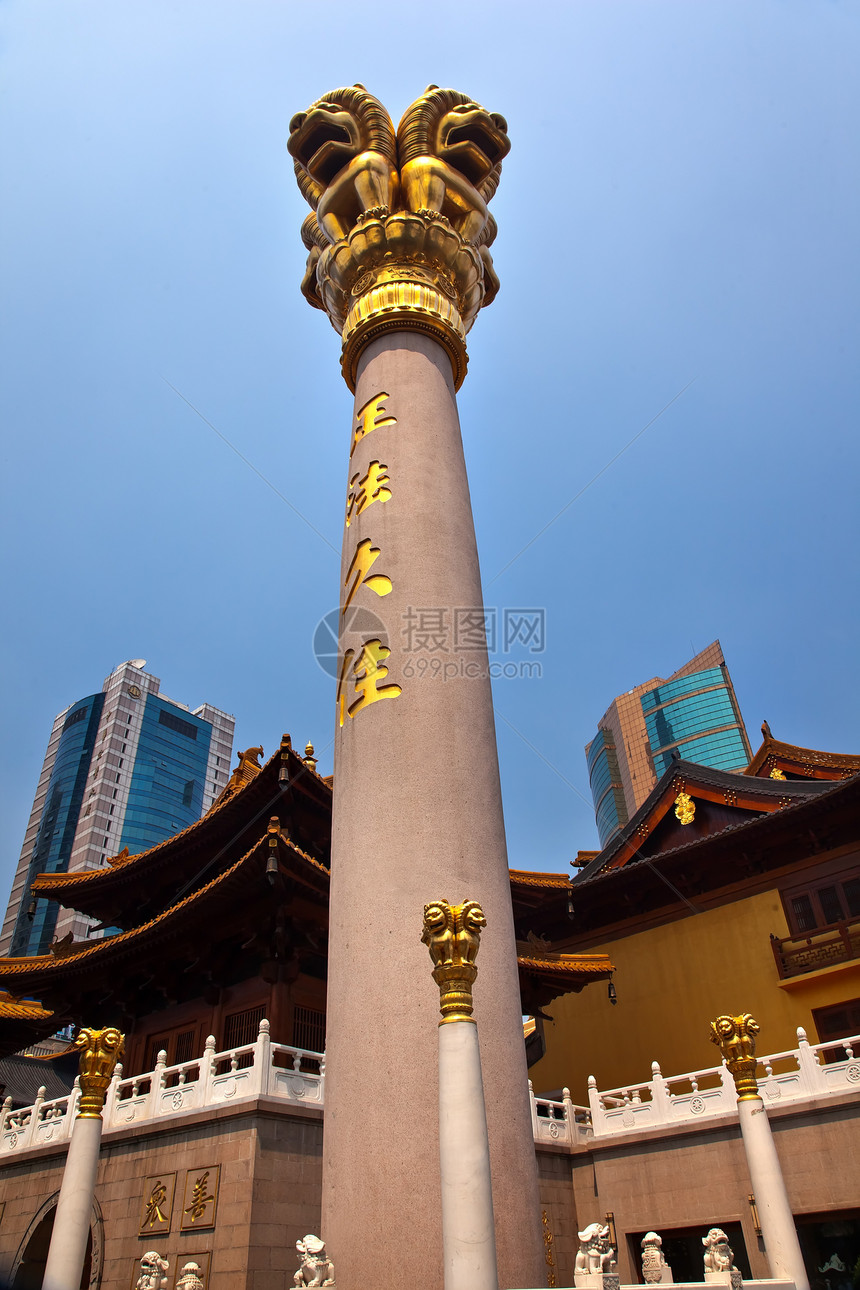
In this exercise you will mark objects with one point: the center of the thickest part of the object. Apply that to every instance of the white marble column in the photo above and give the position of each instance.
(74, 1209)
(468, 1230)
(736, 1039)
(774, 1209)
(100, 1051)
(452, 935)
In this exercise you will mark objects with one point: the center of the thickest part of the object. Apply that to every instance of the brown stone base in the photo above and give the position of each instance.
(268, 1195)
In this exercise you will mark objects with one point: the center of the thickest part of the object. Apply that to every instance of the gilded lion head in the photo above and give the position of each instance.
(450, 125)
(333, 130)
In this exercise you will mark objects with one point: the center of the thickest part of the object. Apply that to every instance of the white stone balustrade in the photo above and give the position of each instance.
(261, 1069)
(808, 1071)
(294, 1075)
(561, 1122)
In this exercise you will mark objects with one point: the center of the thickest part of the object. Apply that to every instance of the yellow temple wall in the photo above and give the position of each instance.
(672, 981)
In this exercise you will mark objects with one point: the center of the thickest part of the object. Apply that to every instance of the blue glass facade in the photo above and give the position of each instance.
(55, 838)
(695, 715)
(605, 780)
(166, 791)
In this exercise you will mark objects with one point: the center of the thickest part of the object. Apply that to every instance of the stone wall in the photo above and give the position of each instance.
(268, 1194)
(695, 1178)
(557, 1201)
(270, 1187)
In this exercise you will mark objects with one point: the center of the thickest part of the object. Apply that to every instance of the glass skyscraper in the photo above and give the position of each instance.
(126, 767)
(693, 715)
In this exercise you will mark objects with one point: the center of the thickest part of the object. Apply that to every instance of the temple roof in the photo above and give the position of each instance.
(21, 1009)
(22, 1076)
(132, 890)
(23, 1022)
(546, 973)
(716, 800)
(211, 892)
(268, 907)
(745, 856)
(779, 761)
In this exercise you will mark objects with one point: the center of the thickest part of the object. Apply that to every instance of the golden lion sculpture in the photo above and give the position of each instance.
(382, 200)
(345, 156)
(450, 151)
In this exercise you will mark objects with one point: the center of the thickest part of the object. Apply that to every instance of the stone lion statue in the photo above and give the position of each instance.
(345, 155)
(316, 1267)
(153, 1269)
(654, 1266)
(595, 1253)
(383, 202)
(718, 1253)
(190, 1278)
(450, 151)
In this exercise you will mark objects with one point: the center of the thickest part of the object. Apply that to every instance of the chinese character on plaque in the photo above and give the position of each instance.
(157, 1204)
(201, 1198)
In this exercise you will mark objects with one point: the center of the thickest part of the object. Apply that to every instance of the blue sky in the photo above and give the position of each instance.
(680, 205)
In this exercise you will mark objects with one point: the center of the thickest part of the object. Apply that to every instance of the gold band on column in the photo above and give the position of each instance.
(735, 1038)
(403, 303)
(452, 933)
(100, 1052)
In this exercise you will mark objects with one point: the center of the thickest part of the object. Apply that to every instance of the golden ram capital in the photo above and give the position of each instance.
(452, 933)
(400, 230)
(100, 1052)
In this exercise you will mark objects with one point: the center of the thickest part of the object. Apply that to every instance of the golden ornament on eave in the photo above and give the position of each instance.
(685, 808)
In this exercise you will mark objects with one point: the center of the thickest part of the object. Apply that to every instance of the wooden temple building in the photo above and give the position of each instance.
(210, 953)
(725, 892)
(220, 926)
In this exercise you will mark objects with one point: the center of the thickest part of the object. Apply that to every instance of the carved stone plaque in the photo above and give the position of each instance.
(200, 1199)
(156, 1204)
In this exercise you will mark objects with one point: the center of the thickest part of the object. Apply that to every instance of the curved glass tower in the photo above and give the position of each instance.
(693, 714)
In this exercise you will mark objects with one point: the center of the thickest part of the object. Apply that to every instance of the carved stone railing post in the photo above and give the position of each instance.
(660, 1096)
(598, 1123)
(207, 1069)
(533, 1109)
(262, 1059)
(108, 1115)
(100, 1050)
(735, 1037)
(156, 1084)
(452, 935)
(41, 1094)
(570, 1117)
(807, 1064)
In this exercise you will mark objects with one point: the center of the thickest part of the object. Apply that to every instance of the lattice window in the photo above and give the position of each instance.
(184, 1046)
(309, 1029)
(242, 1027)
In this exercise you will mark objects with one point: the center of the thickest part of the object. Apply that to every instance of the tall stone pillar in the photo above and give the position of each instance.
(735, 1037)
(399, 261)
(100, 1052)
